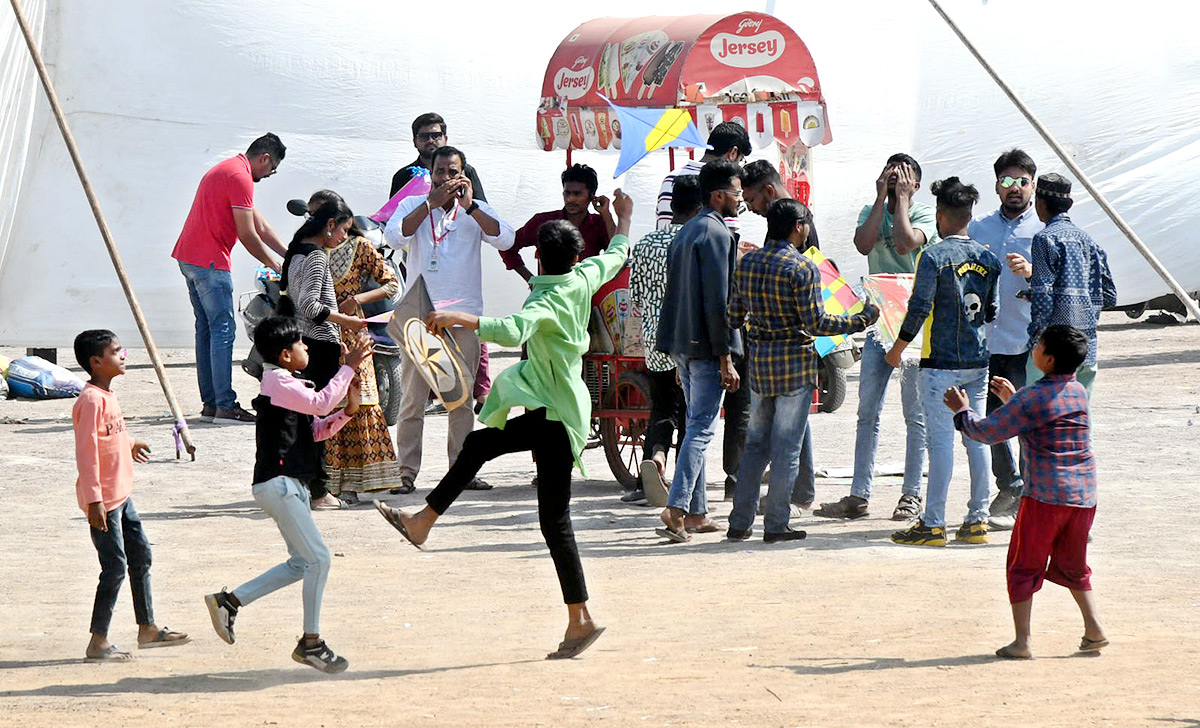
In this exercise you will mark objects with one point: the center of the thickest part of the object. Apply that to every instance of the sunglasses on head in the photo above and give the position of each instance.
(1006, 181)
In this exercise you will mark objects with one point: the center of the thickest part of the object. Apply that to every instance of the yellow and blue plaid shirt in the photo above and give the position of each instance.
(777, 297)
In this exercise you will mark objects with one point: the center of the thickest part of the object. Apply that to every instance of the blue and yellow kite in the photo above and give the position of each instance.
(647, 130)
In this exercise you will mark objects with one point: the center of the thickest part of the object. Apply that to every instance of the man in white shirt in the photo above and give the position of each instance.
(728, 141)
(442, 234)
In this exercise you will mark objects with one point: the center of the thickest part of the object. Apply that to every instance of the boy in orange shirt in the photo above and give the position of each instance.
(104, 455)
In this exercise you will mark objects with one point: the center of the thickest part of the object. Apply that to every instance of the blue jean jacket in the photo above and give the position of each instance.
(955, 288)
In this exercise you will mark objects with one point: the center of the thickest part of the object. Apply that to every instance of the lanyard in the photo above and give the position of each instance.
(447, 220)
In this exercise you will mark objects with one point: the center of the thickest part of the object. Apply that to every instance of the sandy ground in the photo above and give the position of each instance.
(843, 629)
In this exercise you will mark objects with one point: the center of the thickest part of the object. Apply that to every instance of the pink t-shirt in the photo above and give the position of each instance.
(210, 233)
(103, 449)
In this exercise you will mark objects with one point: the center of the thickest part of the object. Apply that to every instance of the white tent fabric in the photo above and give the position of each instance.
(158, 92)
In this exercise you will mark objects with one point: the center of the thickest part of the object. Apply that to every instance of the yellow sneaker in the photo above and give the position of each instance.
(920, 535)
(972, 533)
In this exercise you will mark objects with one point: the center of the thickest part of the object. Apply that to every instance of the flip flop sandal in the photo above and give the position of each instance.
(674, 536)
(405, 487)
(653, 484)
(392, 516)
(1005, 654)
(1087, 645)
(571, 648)
(706, 527)
(165, 638)
(341, 506)
(112, 653)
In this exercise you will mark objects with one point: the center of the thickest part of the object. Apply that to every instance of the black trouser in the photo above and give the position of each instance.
(551, 449)
(737, 422)
(668, 413)
(123, 546)
(324, 360)
(1004, 467)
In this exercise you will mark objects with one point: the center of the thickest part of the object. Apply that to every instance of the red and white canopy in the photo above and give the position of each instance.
(748, 67)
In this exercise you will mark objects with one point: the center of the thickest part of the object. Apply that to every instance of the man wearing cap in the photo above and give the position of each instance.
(1071, 281)
(1008, 234)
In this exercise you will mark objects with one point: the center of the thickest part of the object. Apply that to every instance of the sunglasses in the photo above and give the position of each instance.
(1007, 181)
(429, 136)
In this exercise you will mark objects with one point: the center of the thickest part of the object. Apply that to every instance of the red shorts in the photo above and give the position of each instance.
(1044, 532)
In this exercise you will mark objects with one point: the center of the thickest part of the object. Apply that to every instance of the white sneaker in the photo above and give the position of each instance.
(223, 613)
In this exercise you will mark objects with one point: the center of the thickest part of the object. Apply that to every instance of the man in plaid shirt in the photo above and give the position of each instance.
(777, 298)
(1050, 417)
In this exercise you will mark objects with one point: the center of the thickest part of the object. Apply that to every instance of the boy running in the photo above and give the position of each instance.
(292, 418)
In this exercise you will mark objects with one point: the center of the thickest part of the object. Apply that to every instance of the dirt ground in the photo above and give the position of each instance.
(844, 629)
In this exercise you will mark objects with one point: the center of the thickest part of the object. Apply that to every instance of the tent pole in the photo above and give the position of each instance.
(105, 233)
(1100, 199)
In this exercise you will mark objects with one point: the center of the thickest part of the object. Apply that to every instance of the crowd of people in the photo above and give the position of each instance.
(1004, 307)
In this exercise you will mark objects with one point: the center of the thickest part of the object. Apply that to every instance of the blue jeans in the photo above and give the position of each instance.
(939, 426)
(286, 501)
(777, 432)
(123, 546)
(211, 294)
(873, 376)
(701, 380)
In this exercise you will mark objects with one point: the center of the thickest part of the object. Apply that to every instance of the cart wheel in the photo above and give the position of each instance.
(622, 437)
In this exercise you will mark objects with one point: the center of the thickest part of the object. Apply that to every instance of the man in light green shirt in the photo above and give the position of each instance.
(549, 385)
(891, 233)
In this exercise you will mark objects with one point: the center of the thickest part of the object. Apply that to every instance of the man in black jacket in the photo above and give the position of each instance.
(430, 134)
(694, 331)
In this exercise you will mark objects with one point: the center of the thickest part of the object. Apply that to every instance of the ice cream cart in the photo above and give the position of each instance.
(747, 67)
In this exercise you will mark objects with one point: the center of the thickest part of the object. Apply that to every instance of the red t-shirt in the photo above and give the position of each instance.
(593, 231)
(210, 233)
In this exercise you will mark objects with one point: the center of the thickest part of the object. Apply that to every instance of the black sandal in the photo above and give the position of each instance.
(406, 486)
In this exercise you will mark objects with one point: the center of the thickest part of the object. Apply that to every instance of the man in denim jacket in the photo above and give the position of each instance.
(956, 288)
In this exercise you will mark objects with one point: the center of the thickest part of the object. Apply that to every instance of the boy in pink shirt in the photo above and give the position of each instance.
(293, 416)
(104, 455)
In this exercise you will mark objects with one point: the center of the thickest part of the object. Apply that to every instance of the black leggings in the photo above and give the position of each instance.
(551, 448)
(324, 360)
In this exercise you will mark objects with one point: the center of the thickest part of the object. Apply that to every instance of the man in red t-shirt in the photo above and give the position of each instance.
(222, 214)
(579, 183)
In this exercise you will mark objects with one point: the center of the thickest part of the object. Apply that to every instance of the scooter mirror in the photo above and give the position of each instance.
(299, 208)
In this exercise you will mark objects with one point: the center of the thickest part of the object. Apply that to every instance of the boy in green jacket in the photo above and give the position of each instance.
(549, 385)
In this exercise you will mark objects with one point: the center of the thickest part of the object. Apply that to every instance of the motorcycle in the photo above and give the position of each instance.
(831, 374)
(257, 305)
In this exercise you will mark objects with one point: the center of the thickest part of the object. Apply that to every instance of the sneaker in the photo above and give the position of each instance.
(1005, 503)
(234, 415)
(637, 497)
(920, 535)
(320, 657)
(850, 506)
(223, 613)
(972, 533)
(1002, 523)
(207, 412)
(908, 508)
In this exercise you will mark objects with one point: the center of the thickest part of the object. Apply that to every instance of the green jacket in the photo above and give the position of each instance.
(553, 324)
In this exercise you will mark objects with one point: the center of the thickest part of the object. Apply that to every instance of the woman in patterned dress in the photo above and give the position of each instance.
(361, 457)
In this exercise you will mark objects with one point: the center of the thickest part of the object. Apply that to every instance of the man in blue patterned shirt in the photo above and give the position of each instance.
(1071, 279)
(777, 299)
(1051, 419)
